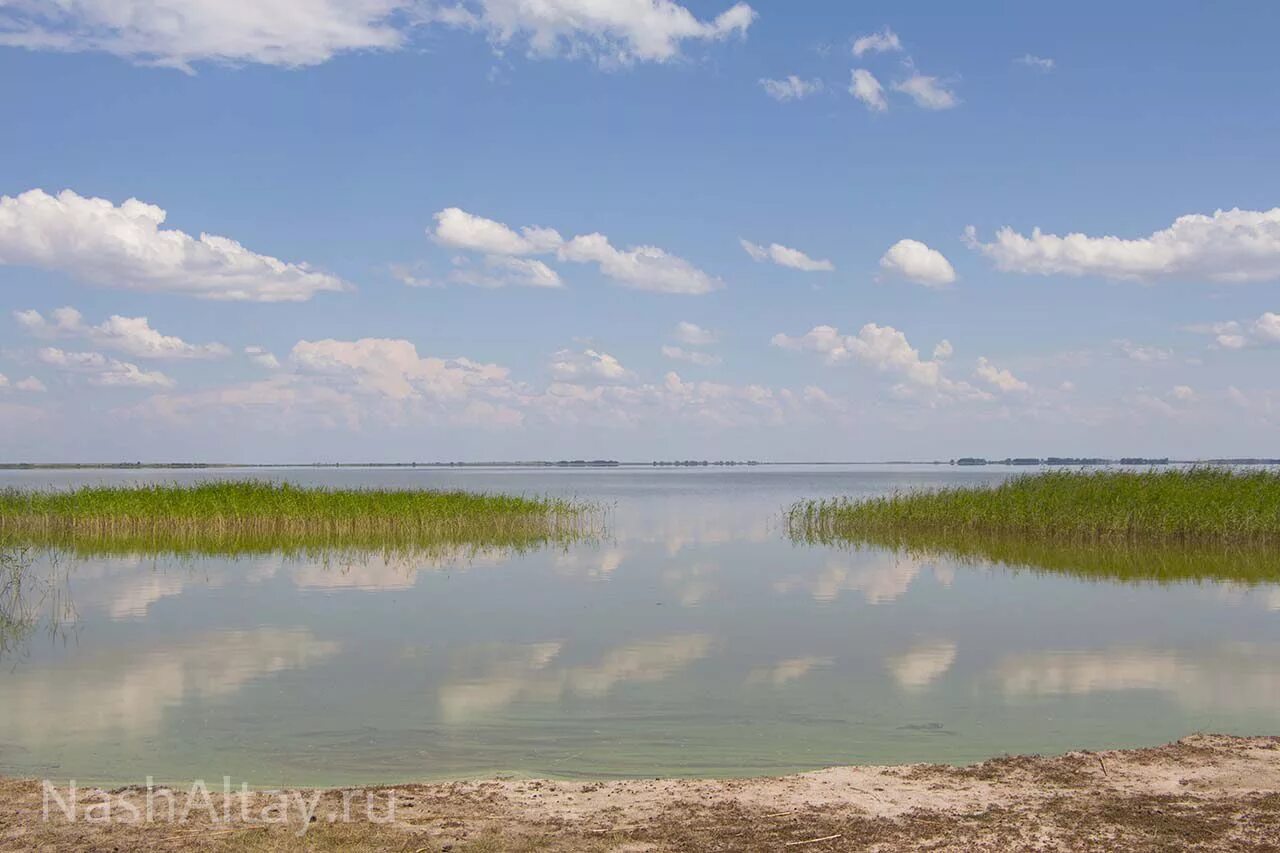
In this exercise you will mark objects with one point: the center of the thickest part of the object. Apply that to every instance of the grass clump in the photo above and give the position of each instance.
(1196, 505)
(1162, 526)
(259, 516)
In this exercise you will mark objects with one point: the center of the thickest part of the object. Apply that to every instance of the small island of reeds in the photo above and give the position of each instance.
(258, 516)
(1140, 525)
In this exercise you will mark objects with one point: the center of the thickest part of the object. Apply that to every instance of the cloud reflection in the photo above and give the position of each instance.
(527, 672)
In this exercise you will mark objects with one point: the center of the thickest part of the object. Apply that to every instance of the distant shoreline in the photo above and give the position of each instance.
(966, 462)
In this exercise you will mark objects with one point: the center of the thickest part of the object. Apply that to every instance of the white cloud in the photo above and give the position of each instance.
(914, 261)
(1038, 63)
(887, 350)
(694, 335)
(1233, 335)
(131, 335)
(785, 257)
(503, 271)
(641, 267)
(864, 86)
(943, 350)
(588, 365)
(30, 384)
(927, 92)
(262, 357)
(1228, 246)
(702, 359)
(1142, 352)
(613, 32)
(1267, 327)
(1183, 393)
(177, 33)
(410, 275)
(999, 377)
(293, 33)
(790, 88)
(392, 368)
(462, 230)
(885, 41)
(103, 371)
(124, 247)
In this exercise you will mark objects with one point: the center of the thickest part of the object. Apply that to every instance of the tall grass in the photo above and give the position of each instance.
(243, 516)
(1198, 505)
(1171, 525)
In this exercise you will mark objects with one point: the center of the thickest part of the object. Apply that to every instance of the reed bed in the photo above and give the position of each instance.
(1206, 506)
(259, 516)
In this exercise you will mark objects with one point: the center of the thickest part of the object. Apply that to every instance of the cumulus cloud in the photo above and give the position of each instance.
(177, 33)
(785, 257)
(1037, 63)
(640, 267)
(131, 335)
(1228, 246)
(1267, 328)
(461, 230)
(887, 350)
(124, 247)
(914, 261)
(388, 384)
(392, 368)
(294, 33)
(927, 92)
(502, 271)
(30, 384)
(103, 371)
(1142, 352)
(1263, 331)
(943, 350)
(702, 359)
(864, 86)
(613, 32)
(262, 357)
(790, 88)
(1183, 393)
(589, 365)
(694, 335)
(998, 377)
(885, 41)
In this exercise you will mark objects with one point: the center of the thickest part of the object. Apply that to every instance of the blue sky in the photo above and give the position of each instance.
(349, 148)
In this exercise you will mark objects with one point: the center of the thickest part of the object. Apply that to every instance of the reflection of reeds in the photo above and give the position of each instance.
(1200, 505)
(27, 599)
(261, 517)
(1119, 560)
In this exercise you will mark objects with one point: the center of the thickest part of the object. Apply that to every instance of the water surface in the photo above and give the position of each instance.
(694, 639)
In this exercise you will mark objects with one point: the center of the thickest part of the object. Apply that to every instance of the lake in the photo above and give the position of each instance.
(693, 638)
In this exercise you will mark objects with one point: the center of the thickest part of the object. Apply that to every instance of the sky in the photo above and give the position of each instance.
(432, 230)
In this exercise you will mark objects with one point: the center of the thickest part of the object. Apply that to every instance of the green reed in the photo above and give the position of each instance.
(259, 516)
(1208, 505)
(1169, 525)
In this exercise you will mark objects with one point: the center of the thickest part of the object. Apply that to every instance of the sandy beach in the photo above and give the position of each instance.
(1203, 792)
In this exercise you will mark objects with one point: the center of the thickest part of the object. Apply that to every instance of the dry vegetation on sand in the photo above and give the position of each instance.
(1202, 793)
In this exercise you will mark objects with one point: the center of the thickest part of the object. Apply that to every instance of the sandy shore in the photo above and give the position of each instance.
(1204, 792)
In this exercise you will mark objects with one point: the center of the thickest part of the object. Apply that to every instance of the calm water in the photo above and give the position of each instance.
(695, 640)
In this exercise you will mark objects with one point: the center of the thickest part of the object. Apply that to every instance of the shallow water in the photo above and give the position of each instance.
(696, 639)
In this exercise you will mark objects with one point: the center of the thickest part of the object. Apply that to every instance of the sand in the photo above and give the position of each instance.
(1204, 792)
